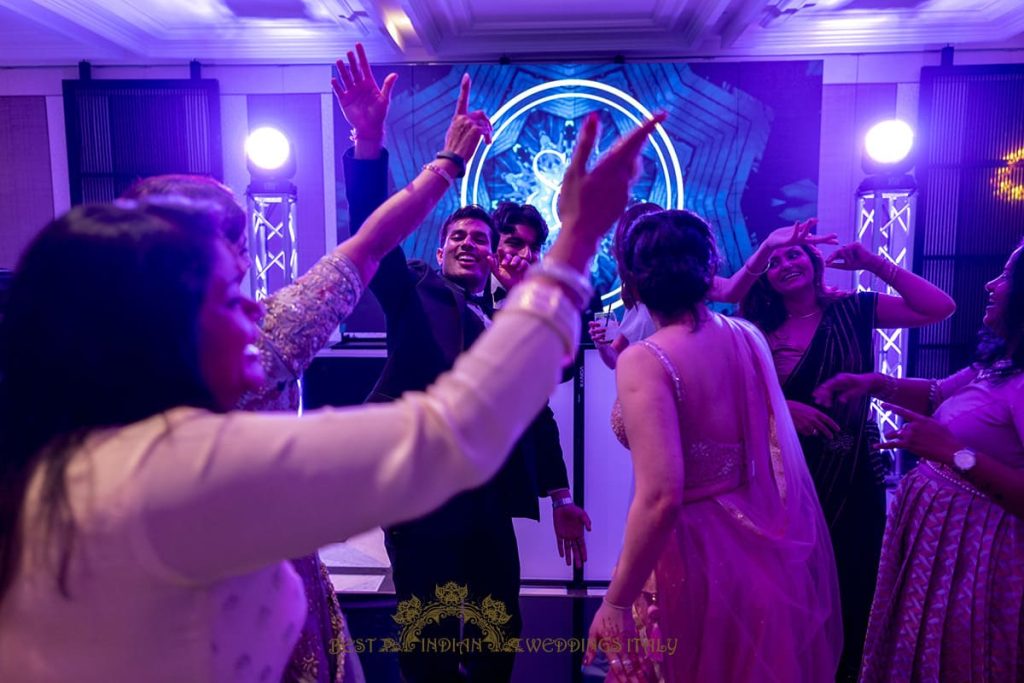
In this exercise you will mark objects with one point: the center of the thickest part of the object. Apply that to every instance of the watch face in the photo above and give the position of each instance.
(964, 460)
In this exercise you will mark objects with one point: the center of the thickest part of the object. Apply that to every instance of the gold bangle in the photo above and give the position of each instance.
(754, 272)
(612, 605)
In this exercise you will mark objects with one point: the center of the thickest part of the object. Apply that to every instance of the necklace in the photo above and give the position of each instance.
(999, 369)
(805, 315)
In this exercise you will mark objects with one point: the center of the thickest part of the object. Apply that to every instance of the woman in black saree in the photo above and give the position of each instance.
(814, 333)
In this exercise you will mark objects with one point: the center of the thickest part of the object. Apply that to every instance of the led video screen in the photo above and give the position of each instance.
(740, 146)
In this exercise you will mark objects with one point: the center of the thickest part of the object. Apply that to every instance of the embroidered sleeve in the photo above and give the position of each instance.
(298, 322)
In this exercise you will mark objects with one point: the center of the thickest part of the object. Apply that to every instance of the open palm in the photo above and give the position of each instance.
(363, 103)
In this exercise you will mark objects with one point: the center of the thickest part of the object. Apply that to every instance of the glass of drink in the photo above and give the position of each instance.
(610, 324)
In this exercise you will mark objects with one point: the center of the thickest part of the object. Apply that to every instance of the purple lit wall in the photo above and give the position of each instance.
(856, 89)
(26, 186)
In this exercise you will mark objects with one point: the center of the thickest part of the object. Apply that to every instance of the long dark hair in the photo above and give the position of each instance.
(669, 259)
(101, 329)
(992, 344)
(763, 306)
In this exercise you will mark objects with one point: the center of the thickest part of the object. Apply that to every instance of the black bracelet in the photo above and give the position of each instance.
(455, 159)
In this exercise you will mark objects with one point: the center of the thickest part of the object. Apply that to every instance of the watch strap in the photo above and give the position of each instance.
(455, 159)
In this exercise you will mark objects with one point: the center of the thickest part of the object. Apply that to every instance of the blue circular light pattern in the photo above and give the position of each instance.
(534, 137)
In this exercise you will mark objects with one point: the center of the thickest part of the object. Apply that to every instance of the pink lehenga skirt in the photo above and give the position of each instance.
(722, 606)
(949, 605)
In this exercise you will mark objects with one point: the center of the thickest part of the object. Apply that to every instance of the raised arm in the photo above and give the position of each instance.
(919, 301)
(919, 395)
(364, 104)
(403, 212)
(280, 487)
(299, 318)
(733, 288)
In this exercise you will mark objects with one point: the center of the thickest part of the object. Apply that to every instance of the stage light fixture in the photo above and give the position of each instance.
(268, 149)
(889, 142)
(885, 225)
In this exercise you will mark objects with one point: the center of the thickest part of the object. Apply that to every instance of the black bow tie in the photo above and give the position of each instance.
(499, 294)
(479, 300)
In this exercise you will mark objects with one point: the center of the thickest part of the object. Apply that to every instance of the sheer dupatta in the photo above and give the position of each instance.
(746, 586)
(780, 504)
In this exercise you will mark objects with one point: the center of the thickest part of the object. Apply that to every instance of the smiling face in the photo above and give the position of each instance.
(999, 297)
(520, 241)
(228, 358)
(463, 255)
(790, 270)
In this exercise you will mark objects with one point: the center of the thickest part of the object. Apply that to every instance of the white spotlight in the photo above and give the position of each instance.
(267, 148)
(889, 142)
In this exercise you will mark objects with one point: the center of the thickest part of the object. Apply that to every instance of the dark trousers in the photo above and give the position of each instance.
(485, 560)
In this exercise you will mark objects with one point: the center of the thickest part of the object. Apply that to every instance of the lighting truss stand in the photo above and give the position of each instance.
(272, 244)
(885, 226)
(271, 208)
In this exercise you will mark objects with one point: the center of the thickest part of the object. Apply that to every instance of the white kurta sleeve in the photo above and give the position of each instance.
(219, 495)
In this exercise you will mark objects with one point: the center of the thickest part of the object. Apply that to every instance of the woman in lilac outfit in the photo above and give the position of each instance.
(950, 599)
(300, 317)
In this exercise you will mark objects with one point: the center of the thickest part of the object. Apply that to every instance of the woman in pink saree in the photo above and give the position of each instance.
(726, 572)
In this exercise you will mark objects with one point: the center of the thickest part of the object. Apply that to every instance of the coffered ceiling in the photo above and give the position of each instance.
(41, 32)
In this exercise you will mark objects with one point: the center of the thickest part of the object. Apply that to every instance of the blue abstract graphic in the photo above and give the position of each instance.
(742, 138)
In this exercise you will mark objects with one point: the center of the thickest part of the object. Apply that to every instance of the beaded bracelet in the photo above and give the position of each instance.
(934, 399)
(354, 137)
(438, 171)
(891, 270)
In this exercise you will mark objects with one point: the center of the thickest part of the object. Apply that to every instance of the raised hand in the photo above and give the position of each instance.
(798, 233)
(809, 421)
(845, 387)
(363, 103)
(467, 127)
(592, 200)
(853, 256)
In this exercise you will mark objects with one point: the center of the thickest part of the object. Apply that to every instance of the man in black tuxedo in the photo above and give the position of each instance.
(522, 232)
(431, 318)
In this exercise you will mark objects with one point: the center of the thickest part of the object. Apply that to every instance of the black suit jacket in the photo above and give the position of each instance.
(428, 326)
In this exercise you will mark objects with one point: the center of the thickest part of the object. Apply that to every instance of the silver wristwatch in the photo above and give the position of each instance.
(964, 460)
